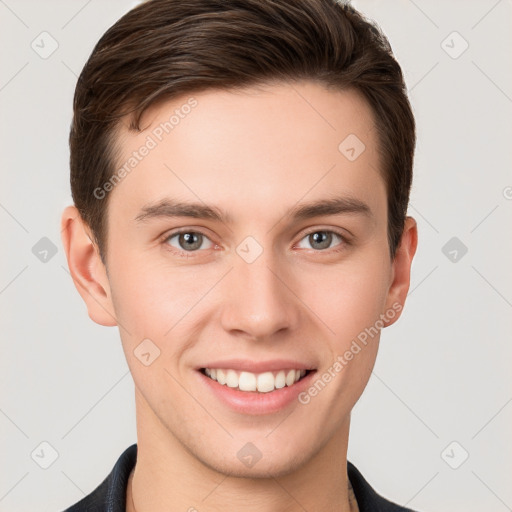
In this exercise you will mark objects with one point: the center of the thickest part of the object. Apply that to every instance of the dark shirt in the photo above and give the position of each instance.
(110, 495)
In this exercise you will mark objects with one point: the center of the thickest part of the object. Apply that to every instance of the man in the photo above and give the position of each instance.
(240, 171)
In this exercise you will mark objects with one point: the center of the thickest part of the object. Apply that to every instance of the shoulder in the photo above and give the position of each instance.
(110, 495)
(368, 500)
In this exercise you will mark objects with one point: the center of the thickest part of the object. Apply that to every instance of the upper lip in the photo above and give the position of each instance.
(246, 365)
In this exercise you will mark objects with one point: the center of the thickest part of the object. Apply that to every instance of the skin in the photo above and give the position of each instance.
(255, 154)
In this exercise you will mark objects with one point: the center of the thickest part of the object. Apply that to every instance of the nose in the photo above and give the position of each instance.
(259, 299)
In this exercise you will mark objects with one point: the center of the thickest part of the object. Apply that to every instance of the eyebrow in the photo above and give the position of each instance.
(171, 208)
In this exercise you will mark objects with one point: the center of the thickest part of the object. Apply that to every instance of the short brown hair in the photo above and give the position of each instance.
(166, 48)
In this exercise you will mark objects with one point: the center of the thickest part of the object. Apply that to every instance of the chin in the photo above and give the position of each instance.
(268, 466)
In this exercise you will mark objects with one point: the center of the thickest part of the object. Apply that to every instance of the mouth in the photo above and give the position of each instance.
(251, 387)
(249, 382)
(269, 389)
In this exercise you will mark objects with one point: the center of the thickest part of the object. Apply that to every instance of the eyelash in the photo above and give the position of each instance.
(190, 254)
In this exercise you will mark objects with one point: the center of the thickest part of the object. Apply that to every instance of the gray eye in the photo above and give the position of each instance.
(321, 239)
(188, 240)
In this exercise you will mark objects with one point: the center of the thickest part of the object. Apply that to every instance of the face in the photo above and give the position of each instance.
(283, 263)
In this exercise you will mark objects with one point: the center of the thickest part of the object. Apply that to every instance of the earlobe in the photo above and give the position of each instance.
(401, 271)
(86, 268)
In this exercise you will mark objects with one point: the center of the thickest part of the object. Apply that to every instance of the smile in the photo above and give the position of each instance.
(255, 387)
(256, 382)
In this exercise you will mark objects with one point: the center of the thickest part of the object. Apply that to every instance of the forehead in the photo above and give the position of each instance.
(253, 148)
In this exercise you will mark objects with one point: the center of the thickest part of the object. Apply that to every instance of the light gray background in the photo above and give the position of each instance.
(443, 373)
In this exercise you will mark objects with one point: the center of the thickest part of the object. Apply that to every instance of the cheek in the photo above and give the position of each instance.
(348, 299)
(157, 303)
(149, 295)
(349, 303)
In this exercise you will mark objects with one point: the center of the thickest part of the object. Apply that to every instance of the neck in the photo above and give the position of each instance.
(168, 477)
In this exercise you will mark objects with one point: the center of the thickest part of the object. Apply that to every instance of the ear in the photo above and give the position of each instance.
(87, 270)
(401, 270)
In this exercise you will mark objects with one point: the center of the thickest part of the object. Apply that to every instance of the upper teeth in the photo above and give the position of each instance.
(247, 381)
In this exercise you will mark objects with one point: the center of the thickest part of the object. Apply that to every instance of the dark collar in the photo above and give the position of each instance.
(110, 495)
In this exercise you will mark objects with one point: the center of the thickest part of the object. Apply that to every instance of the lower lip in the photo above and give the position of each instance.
(254, 402)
